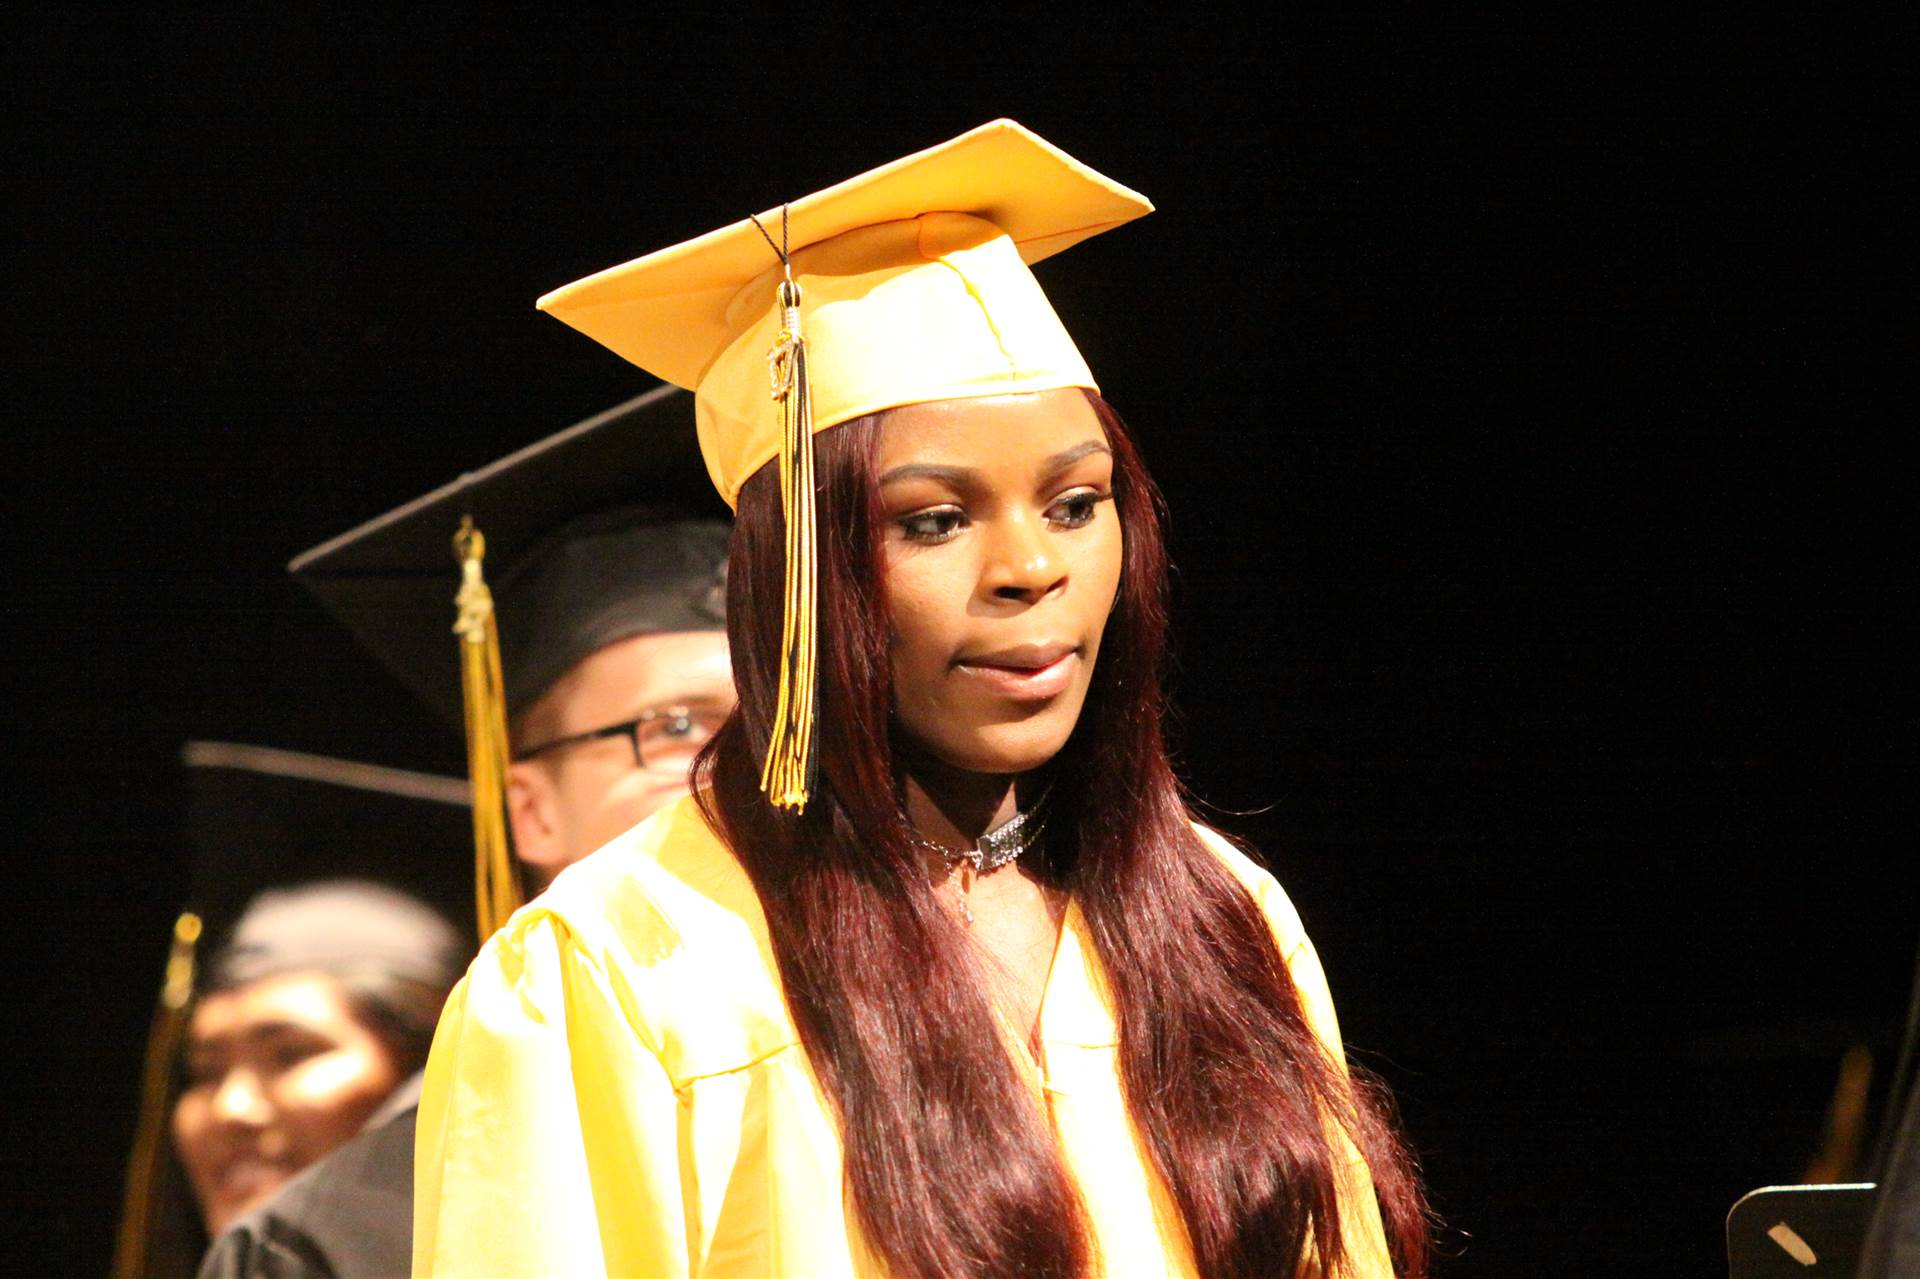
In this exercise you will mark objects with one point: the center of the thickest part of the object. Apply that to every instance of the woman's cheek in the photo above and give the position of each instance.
(192, 1126)
(919, 633)
(189, 1126)
(331, 1096)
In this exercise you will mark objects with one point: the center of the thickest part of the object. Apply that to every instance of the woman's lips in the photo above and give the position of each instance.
(1030, 674)
(246, 1177)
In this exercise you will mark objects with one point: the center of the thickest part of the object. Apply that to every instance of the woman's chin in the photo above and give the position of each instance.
(1000, 750)
(238, 1202)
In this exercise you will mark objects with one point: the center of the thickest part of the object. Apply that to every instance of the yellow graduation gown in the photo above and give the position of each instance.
(616, 1088)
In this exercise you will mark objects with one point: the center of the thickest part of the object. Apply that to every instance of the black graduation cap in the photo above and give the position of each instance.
(261, 818)
(607, 529)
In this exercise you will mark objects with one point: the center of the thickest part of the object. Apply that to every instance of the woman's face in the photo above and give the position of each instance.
(279, 1072)
(1003, 554)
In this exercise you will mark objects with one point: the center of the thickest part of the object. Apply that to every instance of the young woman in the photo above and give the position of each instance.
(973, 994)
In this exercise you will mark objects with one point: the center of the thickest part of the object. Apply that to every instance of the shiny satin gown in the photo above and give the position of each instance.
(617, 1089)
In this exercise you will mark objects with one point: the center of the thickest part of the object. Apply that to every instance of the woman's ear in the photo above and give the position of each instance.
(533, 811)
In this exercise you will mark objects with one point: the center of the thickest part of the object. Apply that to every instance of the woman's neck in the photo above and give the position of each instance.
(953, 806)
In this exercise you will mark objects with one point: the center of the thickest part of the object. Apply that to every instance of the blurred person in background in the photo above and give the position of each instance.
(322, 888)
(606, 562)
(313, 1024)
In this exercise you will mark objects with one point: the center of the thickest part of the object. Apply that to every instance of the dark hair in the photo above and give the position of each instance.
(950, 1166)
(402, 1014)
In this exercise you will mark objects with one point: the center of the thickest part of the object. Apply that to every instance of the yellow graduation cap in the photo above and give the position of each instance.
(907, 284)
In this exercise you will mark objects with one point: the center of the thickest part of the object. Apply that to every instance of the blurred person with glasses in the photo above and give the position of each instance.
(606, 563)
(605, 555)
(585, 780)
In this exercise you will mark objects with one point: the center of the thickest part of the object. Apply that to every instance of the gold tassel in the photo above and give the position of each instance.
(788, 776)
(496, 888)
(156, 1098)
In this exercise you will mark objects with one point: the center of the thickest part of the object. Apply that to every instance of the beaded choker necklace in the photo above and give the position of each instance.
(1001, 846)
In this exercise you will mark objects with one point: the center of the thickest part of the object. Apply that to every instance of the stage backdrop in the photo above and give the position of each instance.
(1521, 394)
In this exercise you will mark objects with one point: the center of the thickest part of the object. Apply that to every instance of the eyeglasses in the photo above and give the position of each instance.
(665, 739)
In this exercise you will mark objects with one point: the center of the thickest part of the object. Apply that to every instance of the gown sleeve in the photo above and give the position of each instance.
(1361, 1229)
(548, 1133)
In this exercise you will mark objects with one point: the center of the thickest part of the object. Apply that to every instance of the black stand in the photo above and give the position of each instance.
(1798, 1232)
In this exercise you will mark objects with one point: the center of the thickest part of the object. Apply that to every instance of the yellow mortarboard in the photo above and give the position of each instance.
(913, 279)
(907, 284)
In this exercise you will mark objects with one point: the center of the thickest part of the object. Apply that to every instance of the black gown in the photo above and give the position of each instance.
(1892, 1246)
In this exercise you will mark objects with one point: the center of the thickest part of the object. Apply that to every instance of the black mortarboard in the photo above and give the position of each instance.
(605, 530)
(261, 818)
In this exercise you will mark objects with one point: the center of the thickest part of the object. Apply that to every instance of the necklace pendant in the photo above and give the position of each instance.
(999, 846)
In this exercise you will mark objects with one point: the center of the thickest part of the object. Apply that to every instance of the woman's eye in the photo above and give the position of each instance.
(933, 526)
(287, 1053)
(1075, 510)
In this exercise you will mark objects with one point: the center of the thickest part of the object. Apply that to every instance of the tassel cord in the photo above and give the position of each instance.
(789, 772)
(483, 689)
(156, 1099)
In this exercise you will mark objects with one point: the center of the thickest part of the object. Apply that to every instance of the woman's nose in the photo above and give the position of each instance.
(1024, 565)
(240, 1099)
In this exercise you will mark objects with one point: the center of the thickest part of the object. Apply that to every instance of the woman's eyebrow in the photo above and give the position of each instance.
(265, 1031)
(964, 476)
(1067, 457)
(956, 476)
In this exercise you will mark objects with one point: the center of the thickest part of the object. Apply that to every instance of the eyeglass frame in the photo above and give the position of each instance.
(629, 729)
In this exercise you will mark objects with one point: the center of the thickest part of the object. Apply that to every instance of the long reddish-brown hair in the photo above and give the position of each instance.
(950, 1166)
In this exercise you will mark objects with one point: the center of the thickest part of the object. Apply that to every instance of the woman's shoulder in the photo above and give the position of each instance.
(666, 924)
(668, 882)
(1260, 882)
(1303, 962)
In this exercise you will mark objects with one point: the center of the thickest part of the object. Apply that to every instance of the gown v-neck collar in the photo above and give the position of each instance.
(1074, 1008)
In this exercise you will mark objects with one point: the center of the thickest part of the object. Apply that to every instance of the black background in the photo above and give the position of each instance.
(1524, 393)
